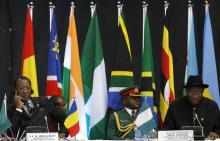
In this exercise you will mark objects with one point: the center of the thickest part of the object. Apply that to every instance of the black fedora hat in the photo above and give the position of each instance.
(195, 81)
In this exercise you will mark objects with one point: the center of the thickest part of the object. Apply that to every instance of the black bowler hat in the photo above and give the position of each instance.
(195, 81)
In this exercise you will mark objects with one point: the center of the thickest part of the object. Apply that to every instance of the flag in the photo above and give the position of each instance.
(28, 65)
(94, 81)
(145, 120)
(191, 66)
(147, 67)
(209, 71)
(53, 85)
(122, 72)
(167, 78)
(72, 121)
(72, 83)
(5, 123)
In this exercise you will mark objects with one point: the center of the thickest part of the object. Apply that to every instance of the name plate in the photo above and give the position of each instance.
(175, 135)
(42, 136)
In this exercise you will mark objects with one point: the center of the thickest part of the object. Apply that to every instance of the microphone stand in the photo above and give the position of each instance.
(195, 117)
(199, 124)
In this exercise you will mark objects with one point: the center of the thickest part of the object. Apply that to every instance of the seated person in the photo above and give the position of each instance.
(194, 110)
(121, 123)
(54, 126)
(59, 103)
(27, 111)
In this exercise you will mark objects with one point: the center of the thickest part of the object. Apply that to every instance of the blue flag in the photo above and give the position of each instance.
(191, 66)
(54, 85)
(209, 71)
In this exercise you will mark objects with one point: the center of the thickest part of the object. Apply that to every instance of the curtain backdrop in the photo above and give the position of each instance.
(12, 13)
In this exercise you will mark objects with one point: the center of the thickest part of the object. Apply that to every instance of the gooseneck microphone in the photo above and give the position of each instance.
(195, 117)
(46, 123)
(198, 119)
(22, 135)
(18, 133)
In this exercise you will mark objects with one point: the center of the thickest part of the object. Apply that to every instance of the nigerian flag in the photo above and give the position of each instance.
(94, 81)
(145, 120)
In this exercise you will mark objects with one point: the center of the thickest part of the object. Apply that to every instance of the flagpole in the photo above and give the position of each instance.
(51, 8)
(5, 98)
(119, 6)
(144, 6)
(190, 3)
(166, 5)
(188, 37)
(206, 6)
(31, 7)
(92, 6)
(72, 7)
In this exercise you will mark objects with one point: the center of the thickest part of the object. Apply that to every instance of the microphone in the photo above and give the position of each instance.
(46, 123)
(22, 135)
(18, 133)
(200, 125)
(194, 111)
(195, 117)
(198, 119)
(28, 108)
(30, 104)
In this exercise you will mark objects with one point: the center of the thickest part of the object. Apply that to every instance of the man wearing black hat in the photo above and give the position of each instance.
(121, 123)
(194, 110)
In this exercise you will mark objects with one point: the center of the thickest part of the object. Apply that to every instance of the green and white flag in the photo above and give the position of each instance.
(94, 81)
(5, 123)
(145, 120)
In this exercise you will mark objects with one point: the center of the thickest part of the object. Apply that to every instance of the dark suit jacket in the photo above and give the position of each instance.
(42, 108)
(112, 130)
(180, 113)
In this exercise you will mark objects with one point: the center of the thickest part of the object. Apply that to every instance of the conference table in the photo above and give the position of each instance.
(73, 139)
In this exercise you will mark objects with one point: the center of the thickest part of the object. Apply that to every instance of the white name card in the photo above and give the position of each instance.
(42, 136)
(175, 135)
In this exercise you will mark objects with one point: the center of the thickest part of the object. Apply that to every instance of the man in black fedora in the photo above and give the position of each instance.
(194, 110)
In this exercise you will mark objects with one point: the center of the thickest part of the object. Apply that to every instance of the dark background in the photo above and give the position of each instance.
(12, 20)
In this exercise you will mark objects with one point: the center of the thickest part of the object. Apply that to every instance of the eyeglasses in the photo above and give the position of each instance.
(22, 89)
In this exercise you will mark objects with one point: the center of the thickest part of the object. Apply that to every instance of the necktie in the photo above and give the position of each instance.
(133, 114)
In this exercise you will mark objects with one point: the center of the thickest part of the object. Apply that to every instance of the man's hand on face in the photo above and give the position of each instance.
(18, 101)
(213, 136)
